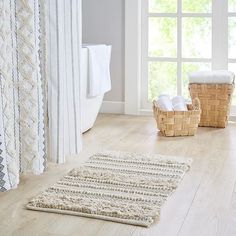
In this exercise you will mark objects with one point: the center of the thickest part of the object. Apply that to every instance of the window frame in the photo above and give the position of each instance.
(219, 59)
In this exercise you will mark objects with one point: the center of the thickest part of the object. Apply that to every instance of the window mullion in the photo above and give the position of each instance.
(219, 34)
(144, 61)
(179, 48)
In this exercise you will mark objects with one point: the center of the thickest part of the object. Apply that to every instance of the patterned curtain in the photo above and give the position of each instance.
(22, 90)
(40, 47)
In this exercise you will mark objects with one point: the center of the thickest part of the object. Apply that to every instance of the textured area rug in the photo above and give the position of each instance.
(117, 186)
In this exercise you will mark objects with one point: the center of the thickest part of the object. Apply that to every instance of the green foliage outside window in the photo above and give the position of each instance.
(196, 43)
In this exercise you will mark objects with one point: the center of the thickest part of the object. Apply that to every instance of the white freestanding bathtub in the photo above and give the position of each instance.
(90, 106)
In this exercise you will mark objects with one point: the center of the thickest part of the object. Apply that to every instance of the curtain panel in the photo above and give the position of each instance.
(22, 116)
(63, 56)
(40, 46)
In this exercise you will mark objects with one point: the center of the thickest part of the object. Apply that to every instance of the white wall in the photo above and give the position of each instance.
(104, 22)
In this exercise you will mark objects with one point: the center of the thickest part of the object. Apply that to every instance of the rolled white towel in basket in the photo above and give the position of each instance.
(179, 103)
(164, 102)
(176, 104)
(212, 77)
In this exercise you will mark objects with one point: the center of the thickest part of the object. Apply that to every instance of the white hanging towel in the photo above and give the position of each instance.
(211, 77)
(99, 69)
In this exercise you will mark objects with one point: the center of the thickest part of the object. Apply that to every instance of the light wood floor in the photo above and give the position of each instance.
(203, 205)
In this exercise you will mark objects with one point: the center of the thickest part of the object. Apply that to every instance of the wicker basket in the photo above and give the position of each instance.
(215, 102)
(178, 123)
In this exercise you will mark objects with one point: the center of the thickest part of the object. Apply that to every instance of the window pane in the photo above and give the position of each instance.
(232, 37)
(162, 37)
(232, 5)
(197, 6)
(162, 6)
(162, 79)
(232, 67)
(188, 67)
(196, 37)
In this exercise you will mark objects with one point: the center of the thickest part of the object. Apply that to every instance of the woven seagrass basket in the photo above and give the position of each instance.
(215, 102)
(178, 123)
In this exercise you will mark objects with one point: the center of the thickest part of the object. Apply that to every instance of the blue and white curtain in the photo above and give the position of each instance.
(39, 85)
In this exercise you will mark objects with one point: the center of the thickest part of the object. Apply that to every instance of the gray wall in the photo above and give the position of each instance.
(103, 22)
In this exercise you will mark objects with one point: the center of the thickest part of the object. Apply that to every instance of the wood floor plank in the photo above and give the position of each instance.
(210, 210)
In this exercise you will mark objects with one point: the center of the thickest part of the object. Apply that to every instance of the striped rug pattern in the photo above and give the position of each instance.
(117, 186)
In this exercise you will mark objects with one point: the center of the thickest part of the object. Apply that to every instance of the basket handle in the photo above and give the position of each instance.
(154, 103)
(155, 106)
(196, 104)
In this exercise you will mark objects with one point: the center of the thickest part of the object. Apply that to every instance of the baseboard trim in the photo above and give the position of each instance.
(142, 112)
(112, 107)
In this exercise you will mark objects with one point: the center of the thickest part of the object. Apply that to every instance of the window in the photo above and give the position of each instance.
(232, 39)
(182, 36)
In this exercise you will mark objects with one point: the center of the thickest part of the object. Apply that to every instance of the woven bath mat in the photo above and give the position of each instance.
(117, 186)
